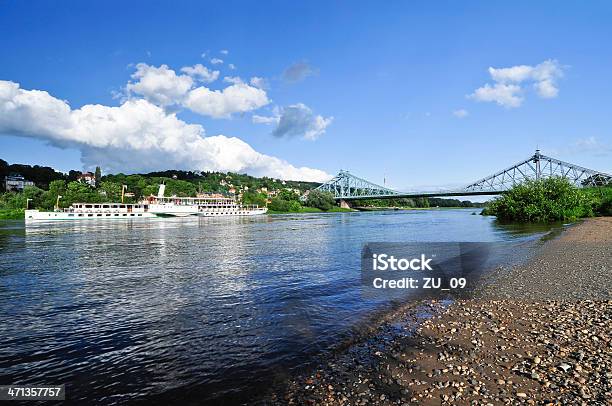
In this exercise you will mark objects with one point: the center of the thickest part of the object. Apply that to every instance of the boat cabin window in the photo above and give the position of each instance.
(88, 206)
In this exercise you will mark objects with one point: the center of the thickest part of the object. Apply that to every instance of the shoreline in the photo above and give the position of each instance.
(530, 336)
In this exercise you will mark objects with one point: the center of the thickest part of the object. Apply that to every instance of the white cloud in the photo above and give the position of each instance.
(224, 51)
(231, 66)
(515, 74)
(237, 98)
(297, 120)
(134, 137)
(216, 61)
(461, 113)
(265, 119)
(546, 89)
(502, 94)
(232, 79)
(201, 73)
(507, 89)
(161, 86)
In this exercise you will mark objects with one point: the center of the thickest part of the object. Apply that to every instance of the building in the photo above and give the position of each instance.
(87, 177)
(16, 183)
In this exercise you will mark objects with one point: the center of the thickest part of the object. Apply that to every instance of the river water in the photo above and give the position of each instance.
(196, 310)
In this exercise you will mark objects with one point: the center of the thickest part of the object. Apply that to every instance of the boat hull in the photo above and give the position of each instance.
(226, 213)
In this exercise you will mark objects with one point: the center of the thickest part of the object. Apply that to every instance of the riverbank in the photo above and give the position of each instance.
(12, 214)
(306, 209)
(489, 351)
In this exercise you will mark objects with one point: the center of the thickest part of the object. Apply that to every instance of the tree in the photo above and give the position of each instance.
(320, 200)
(98, 176)
(540, 201)
(110, 191)
(77, 192)
(259, 199)
(288, 195)
(56, 188)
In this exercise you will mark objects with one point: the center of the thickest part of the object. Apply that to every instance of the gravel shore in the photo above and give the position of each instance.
(523, 349)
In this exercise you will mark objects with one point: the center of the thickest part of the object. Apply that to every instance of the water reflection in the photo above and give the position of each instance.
(196, 309)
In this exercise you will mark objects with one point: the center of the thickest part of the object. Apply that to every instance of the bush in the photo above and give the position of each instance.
(320, 200)
(282, 205)
(603, 200)
(545, 200)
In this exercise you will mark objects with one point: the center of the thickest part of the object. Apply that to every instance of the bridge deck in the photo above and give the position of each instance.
(414, 195)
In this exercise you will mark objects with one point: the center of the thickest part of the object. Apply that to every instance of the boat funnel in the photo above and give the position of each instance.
(162, 189)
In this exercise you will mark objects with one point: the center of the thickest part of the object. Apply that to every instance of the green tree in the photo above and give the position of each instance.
(545, 200)
(98, 176)
(320, 200)
(48, 199)
(279, 205)
(259, 199)
(288, 195)
(77, 192)
(110, 191)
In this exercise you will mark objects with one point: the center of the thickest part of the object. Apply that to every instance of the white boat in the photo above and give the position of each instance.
(92, 211)
(202, 205)
(153, 206)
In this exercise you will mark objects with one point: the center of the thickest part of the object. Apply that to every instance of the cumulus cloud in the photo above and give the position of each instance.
(502, 94)
(224, 51)
(231, 66)
(216, 61)
(232, 79)
(508, 88)
(297, 120)
(133, 137)
(201, 73)
(298, 72)
(461, 113)
(163, 87)
(237, 98)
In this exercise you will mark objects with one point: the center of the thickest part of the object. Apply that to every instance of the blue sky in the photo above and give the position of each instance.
(381, 89)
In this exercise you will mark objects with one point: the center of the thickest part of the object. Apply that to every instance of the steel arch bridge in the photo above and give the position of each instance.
(346, 186)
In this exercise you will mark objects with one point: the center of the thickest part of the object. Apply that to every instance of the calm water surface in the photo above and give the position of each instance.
(195, 310)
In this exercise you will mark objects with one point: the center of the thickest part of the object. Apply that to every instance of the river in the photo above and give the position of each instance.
(196, 310)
